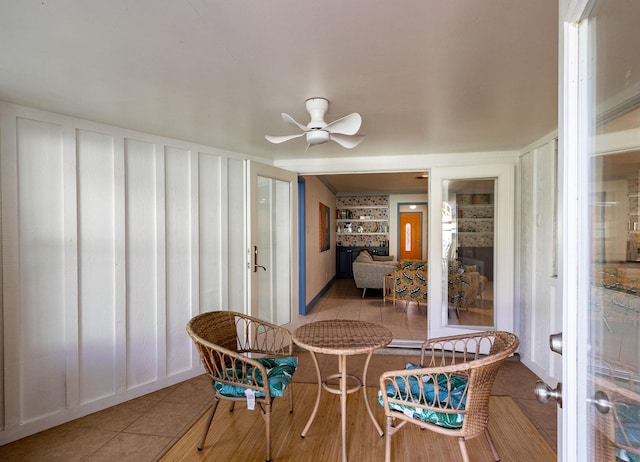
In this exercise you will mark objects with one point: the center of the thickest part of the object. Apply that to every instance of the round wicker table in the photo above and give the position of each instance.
(342, 338)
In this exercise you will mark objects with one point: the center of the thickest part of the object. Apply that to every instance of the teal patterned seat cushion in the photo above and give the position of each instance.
(628, 431)
(456, 397)
(279, 373)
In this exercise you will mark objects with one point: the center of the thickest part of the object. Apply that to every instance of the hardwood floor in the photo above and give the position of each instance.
(144, 429)
(240, 435)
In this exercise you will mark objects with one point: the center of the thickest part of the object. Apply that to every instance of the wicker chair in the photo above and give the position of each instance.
(463, 369)
(616, 430)
(237, 351)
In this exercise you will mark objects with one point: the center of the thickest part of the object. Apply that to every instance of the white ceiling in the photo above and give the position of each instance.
(385, 183)
(427, 76)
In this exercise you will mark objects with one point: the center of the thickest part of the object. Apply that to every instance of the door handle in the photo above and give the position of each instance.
(555, 343)
(601, 402)
(544, 393)
(255, 260)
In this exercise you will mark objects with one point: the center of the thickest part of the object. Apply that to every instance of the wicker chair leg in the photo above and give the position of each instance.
(387, 439)
(290, 399)
(214, 406)
(494, 451)
(232, 406)
(266, 413)
(463, 449)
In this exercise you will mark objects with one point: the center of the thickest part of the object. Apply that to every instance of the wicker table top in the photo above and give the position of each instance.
(342, 336)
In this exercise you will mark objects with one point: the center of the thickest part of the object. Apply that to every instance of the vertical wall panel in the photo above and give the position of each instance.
(7, 176)
(102, 264)
(179, 222)
(142, 260)
(211, 222)
(537, 288)
(539, 292)
(96, 266)
(526, 237)
(236, 215)
(548, 318)
(41, 268)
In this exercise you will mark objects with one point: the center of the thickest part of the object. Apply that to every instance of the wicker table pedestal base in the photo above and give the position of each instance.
(342, 338)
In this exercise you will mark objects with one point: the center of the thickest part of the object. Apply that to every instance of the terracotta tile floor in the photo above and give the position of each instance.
(143, 429)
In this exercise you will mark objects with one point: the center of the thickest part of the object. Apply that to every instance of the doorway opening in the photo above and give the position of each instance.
(368, 221)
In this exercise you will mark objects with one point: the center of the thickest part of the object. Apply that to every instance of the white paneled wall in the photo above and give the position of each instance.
(111, 241)
(101, 250)
(537, 289)
(39, 353)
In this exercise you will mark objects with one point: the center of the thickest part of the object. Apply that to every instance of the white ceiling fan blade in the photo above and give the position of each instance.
(347, 141)
(282, 139)
(347, 125)
(291, 121)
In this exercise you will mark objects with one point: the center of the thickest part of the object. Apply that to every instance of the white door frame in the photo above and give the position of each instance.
(504, 253)
(255, 169)
(573, 134)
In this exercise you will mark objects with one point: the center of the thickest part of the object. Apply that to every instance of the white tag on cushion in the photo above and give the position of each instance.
(251, 398)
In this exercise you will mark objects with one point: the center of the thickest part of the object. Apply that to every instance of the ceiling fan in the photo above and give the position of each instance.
(342, 131)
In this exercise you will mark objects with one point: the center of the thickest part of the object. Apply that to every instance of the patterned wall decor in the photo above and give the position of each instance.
(362, 221)
(475, 220)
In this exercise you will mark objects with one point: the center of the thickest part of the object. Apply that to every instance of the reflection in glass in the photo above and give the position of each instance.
(274, 238)
(467, 239)
(614, 199)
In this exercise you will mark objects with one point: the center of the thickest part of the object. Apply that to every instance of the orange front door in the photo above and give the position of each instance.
(410, 233)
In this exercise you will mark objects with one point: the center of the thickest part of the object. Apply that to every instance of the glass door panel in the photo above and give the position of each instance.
(272, 248)
(468, 251)
(612, 202)
(471, 243)
(274, 237)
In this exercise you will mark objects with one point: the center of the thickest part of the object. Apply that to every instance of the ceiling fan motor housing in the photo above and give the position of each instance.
(317, 136)
(317, 108)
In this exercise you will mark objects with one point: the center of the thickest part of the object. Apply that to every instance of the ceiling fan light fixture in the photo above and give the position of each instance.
(343, 131)
(317, 137)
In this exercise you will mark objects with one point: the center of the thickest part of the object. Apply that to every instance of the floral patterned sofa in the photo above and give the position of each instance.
(410, 281)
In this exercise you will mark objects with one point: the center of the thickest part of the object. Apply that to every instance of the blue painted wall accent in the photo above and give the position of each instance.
(302, 245)
(319, 296)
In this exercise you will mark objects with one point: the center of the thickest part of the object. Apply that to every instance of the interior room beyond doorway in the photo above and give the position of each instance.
(408, 194)
(375, 228)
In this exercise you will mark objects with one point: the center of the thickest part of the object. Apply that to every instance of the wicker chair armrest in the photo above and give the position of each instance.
(409, 387)
(459, 369)
(230, 367)
(457, 349)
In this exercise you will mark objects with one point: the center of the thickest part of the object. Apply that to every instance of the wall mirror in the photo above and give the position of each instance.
(468, 224)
